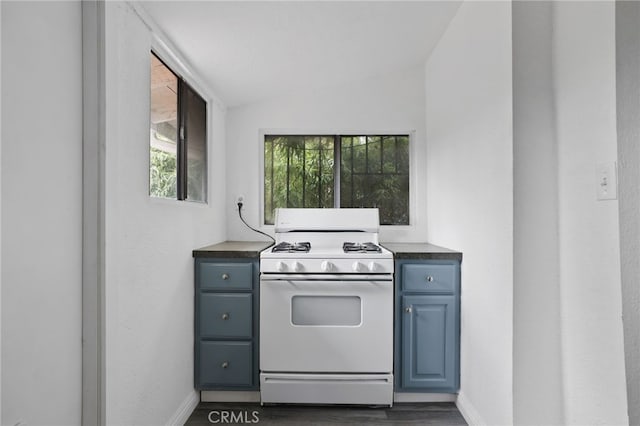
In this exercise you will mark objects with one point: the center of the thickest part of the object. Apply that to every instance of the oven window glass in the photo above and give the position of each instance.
(326, 310)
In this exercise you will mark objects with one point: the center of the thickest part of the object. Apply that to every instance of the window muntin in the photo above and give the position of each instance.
(338, 171)
(178, 137)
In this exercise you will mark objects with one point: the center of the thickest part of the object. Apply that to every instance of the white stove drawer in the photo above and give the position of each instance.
(321, 326)
(374, 389)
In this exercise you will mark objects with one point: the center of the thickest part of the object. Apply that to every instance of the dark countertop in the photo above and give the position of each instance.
(243, 249)
(421, 251)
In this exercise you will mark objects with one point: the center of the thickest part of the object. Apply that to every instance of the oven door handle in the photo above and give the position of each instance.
(326, 277)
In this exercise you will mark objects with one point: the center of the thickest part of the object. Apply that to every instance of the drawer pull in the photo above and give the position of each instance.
(225, 364)
(225, 316)
(408, 309)
(429, 278)
(225, 276)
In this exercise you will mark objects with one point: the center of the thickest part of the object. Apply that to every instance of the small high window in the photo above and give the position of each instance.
(178, 137)
(338, 171)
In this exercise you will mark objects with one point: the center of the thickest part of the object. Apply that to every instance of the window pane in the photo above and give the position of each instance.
(195, 118)
(327, 180)
(163, 131)
(373, 154)
(402, 152)
(359, 159)
(313, 165)
(295, 189)
(389, 159)
(374, 172)
(346, 174)
(298, 172)
(268, 182)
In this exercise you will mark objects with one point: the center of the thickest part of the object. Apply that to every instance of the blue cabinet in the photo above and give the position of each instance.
(226, 324)
(427, 326)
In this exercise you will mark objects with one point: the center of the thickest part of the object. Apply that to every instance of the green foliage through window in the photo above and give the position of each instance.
(163, 173)
(373, 171)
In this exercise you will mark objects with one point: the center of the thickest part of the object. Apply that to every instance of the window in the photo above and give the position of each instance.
(338, 171)
(178, 137)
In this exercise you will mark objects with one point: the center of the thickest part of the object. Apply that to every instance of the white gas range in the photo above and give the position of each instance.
(326, 310)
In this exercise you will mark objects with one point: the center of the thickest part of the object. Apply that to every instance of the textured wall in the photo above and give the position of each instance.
(585, 90)
(149, 268)
(628, 107)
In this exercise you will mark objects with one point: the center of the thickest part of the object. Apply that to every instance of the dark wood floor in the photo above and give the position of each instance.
(432, 413)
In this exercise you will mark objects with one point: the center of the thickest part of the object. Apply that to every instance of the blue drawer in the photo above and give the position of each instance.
(429, 278)
(226, 276)
(226, 363)
(226, 315)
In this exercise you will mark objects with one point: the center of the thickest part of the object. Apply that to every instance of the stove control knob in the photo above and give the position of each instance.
(373, 266)
(326, 266)
(296, 266)
(357, 266)
(281, 267)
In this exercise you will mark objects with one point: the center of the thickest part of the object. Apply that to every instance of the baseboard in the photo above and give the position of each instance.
(468, 411)
(238, 396)
(424, 397)
(229, 396)
(185, 409)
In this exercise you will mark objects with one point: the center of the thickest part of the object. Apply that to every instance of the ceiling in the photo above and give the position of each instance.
(250, 51)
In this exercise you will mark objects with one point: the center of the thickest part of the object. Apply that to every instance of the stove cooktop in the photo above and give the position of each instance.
(286, 247)
(361, 247)
(305, 258)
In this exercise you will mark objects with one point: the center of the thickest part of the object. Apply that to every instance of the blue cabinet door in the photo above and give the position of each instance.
(429, 352)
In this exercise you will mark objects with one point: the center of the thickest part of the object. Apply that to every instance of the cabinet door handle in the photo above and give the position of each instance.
(225, 276)
(225, 364)
(429, 278)
(408, 309)
(225, 316)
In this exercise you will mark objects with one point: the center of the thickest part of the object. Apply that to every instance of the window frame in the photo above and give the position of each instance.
(165, 55)
(337, 133)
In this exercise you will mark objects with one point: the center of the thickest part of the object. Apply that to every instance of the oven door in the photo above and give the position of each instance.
(321, 325)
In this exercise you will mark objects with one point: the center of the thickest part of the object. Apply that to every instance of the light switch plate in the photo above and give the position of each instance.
(606, 181)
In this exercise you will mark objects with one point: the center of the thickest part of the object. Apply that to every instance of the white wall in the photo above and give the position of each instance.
(592, 342)
(470, 194)
(393, 102)
(149, 268)
(0, 219)
(537, 375)
(41, 213)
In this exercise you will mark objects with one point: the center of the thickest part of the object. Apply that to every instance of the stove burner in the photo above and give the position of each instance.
(360, 247)
(291, 248)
